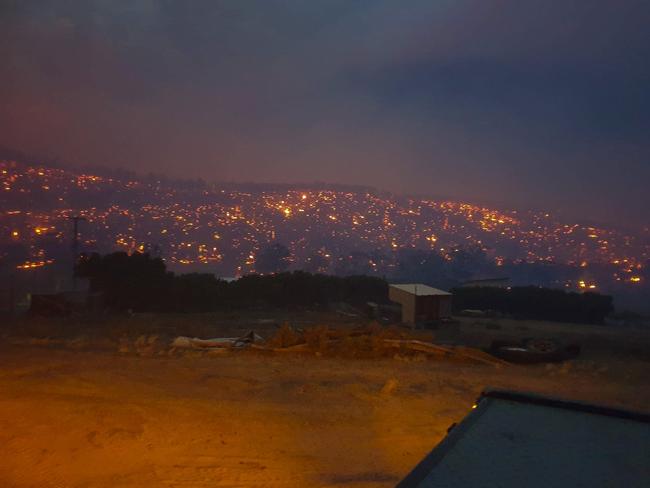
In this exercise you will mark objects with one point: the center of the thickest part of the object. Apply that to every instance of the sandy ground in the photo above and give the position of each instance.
(79, 418)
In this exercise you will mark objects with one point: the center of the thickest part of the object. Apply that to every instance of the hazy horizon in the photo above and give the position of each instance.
(503, 205)
(520, 102)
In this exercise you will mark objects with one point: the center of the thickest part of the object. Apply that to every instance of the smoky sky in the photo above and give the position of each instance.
(538, 103)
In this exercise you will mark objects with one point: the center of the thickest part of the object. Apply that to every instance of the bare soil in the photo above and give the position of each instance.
(76, 413)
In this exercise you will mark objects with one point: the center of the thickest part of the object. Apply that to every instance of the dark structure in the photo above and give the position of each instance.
(533, 302)
(514, 439)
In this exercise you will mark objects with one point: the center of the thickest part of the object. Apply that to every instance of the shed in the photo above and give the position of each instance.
(420, 303)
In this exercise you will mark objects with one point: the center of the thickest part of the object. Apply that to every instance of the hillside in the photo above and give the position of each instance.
(225, 230)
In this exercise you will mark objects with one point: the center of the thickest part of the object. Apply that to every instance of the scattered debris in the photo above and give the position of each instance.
(369, 341)
(124, 346)
(182, 342)
(529, 351)
(458, 351)
(389, 387)
(304, 347)
(146, 345)
(285, 336)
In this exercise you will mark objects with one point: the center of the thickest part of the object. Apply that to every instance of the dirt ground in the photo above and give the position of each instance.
(76, 416)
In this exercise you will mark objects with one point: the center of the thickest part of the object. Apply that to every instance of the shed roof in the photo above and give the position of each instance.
(420, 290)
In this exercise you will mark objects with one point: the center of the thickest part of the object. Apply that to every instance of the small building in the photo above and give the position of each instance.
(420, 303)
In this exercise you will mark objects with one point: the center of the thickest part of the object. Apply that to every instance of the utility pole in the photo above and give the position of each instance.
(75, 246)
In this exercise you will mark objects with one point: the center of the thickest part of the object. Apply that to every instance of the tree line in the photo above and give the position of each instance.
(141, 283)
(532, 302)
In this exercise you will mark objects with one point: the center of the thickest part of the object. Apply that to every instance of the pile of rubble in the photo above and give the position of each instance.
(369, 341)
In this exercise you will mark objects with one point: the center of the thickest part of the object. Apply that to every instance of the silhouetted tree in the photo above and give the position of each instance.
(536, 303)
(141, 283)
(134, 281)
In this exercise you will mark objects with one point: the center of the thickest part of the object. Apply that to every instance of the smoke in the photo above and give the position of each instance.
(520, 102)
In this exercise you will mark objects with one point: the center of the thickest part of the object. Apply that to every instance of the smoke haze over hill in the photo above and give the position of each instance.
(238, 229)
(520, 102)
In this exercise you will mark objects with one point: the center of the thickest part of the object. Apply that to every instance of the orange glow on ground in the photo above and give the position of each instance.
(75, 415)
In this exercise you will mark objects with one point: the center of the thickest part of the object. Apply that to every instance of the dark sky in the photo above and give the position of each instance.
(532, 102)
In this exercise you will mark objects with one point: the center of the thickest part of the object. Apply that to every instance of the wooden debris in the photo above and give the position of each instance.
(420, 346)
(247, 339)
(450, 351)
(479, 355)
(463, 352)
(333, 340)
(304, 347)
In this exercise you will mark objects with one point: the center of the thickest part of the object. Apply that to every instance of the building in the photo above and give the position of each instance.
(420, 303)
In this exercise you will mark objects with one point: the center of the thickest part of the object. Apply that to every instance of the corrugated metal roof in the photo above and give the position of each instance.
(419, 289)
